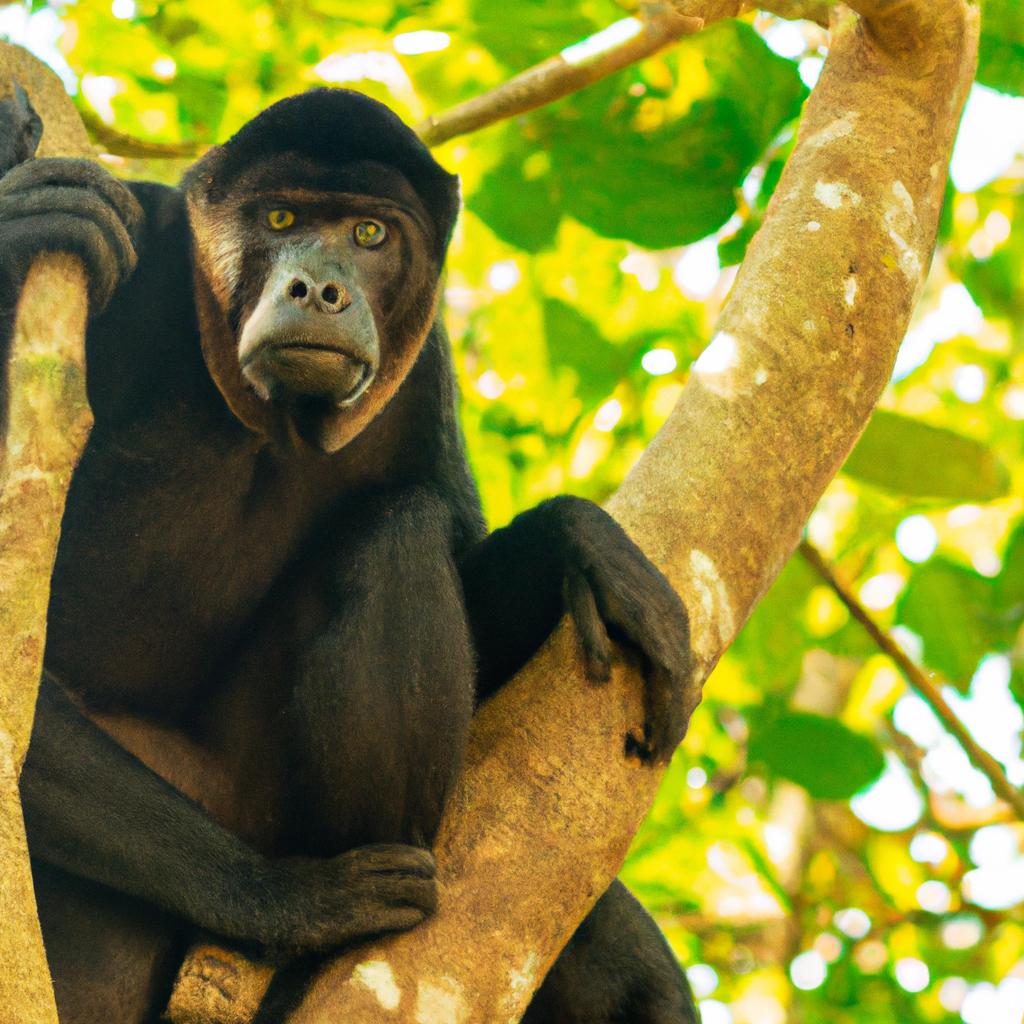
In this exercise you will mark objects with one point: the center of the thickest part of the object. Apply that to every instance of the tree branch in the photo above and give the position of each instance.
(919, 680)
(624, 43)
(616, 47)
(817, 11)
(117, 143)
(48, 421)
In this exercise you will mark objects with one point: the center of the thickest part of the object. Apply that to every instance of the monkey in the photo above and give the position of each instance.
(275, 604)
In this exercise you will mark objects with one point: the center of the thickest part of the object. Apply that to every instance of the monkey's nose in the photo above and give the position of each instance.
(327, 297)
(333, 297)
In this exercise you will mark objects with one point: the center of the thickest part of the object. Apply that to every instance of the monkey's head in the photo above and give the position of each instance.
(320, 231)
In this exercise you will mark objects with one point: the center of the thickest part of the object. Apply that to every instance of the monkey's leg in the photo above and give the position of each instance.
(616, 969)
(95, 811)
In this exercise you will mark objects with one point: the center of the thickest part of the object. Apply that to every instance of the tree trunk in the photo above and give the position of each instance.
(48, 421)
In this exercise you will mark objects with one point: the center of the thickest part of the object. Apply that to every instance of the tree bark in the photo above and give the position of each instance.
(548, 803)
(48, 421)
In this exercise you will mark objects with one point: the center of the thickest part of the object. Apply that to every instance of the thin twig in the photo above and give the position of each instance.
(118, 143)
(920, 681)
(793, 10)
(614, 48)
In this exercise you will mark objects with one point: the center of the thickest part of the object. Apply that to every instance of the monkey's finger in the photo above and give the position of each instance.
(83, 175)
(26, 238)
(395, 890)
(75, 203)
(645, 613)
(593, 637)
(395, 858)
(667, 716)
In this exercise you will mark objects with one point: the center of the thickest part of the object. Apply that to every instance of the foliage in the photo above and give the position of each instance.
(585, 277)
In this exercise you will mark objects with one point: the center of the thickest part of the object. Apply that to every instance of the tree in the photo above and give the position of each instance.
(716, 515)
(47, 425)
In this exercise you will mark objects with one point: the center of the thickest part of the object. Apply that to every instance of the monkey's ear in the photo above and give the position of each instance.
(21, 128)
(31, 123)
(445, 205)
(203, 181)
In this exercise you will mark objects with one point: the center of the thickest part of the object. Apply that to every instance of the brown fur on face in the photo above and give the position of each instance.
(235, 257)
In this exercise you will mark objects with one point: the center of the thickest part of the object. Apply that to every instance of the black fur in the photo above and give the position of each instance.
(292, 634)
(20, 128)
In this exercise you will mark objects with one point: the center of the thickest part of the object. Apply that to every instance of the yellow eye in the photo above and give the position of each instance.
(369, 234)
(280, 219)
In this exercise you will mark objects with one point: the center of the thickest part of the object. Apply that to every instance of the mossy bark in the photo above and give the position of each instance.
(47, 426)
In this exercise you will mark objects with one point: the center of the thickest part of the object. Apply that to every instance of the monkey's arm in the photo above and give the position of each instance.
(93, 809)
(568, 555)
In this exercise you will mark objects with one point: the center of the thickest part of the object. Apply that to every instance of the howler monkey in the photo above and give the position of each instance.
(275, 604)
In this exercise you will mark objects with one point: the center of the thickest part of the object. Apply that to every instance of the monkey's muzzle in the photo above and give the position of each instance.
(292, 370)
(294, 349)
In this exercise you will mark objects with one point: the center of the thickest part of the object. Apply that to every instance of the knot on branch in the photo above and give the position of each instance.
(925, 32)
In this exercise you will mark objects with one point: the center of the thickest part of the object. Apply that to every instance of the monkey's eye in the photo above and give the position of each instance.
(369, 234)
(280, 219)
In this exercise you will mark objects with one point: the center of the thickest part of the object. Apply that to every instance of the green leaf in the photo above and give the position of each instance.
(733, 248)
(631, 166)
(660, 191)
(574, 341)
(527, 31)
(997, 284)
(518, 210)
(772, 643)
(918, 460)
(825, 757)
(1001, 52)
(952, 610)
(1009, 584)
(202, 101)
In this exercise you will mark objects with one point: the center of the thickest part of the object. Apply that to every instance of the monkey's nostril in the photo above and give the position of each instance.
(298, 289)
(330, 294)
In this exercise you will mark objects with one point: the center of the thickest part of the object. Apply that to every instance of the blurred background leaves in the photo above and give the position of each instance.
(821, 850)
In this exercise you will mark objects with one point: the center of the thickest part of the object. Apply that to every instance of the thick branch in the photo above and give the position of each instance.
(48, 422)
(817, 11)
(919, 680)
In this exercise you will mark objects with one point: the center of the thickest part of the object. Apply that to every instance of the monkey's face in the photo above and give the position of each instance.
(327, 285)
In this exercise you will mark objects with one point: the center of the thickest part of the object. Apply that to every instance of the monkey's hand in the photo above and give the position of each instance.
(72, 206)
(611, 589)
(315, 905)
(568, 554)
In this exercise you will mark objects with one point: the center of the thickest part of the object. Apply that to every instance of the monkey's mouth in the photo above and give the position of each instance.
(297, 371)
